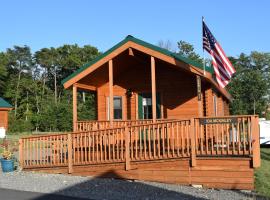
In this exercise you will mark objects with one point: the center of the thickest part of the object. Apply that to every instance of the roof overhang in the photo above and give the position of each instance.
(5, 109)
(151, 50)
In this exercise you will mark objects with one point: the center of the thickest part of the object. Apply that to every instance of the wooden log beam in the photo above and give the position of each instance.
(154, 98)
(130, 52)
(75, 119)
(85, 87)
(111, 91)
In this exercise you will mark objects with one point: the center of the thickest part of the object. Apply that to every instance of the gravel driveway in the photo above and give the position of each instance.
(98, 188)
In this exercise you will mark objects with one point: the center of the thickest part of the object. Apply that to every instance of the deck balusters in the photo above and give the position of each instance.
(146, 141)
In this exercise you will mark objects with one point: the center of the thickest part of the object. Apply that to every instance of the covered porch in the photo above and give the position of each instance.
(137, 83)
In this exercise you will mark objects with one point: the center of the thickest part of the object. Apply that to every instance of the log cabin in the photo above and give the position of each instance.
(160, 117)
(129, 78)
(4, 108)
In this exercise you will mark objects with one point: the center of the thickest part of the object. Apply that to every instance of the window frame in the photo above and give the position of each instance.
(108, 107)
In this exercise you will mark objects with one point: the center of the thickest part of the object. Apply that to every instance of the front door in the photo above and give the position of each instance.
(145, 105)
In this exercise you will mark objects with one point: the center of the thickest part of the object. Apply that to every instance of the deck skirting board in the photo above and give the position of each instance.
(226, 173)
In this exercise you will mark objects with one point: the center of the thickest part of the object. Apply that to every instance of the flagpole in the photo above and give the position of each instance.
(203, 52)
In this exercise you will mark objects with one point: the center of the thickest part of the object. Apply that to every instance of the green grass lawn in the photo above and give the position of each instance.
(262, 175)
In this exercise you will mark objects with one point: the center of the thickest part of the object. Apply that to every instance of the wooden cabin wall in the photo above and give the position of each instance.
(209, 102)
(102, 97)
(222, 103)
(177, 89)
(4, 119)
(179, 93)
(226, 107)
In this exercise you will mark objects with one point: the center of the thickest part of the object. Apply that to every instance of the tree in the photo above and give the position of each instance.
(3, 71)
(166, 45)
(33, 84)
(19, 63)
(249, 86)
(48, 60)
(187, 50)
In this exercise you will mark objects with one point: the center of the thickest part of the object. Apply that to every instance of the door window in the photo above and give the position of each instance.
(145, 106)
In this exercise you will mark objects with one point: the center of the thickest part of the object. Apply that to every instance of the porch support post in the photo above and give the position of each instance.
(199, 94)
(74, 95)
(111, 90)
(153, 78)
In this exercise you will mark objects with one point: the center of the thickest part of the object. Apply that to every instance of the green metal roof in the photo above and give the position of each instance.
(145, 44)
(4, 104)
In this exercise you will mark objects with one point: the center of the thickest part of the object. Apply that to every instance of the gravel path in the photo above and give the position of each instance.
(98, 188)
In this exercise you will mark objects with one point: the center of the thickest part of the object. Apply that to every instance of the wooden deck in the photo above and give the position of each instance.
(218, 152)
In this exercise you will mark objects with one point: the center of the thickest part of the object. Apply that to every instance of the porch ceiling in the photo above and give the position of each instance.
(126, 65)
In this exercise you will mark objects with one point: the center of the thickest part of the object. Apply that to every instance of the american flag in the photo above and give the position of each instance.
(222, 66)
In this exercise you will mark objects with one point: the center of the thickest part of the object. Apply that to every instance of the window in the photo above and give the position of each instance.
(117, 107)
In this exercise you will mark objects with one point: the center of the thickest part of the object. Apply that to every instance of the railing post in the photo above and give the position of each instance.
(127, 147)
(21, 153)
(256, 141)
(192, 138)
(69, 142)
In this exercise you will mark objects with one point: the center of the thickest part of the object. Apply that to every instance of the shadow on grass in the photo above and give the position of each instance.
(107, 188)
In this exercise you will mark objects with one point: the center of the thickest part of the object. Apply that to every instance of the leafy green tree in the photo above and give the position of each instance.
(249, 86)
(3, 71)
(47, 58)
(187, 50)
(32, 84)
(19, 64)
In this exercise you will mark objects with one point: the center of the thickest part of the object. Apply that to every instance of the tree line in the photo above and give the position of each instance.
(31, 82)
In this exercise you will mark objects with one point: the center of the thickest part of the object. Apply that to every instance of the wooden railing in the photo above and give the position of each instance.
(100, 146)
(104, 124)
(44, 151)
(218, 136)
(224, 136)
(160, 140)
